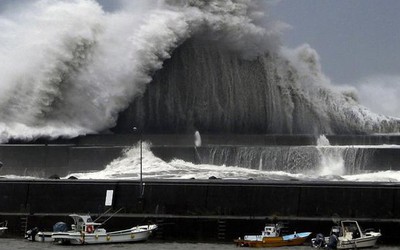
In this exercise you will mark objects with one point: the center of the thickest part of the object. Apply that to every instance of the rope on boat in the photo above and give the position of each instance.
(104, 222)
(102, 215)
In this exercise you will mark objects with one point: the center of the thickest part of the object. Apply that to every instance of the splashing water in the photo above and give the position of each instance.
(128, 167)
(323, 141)
(74, 76)
(332, 162)
(69, 67)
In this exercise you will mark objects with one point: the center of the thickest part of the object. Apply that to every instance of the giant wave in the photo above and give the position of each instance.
(69, 68)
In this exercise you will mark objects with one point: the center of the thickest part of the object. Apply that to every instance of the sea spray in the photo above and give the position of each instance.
(209, 87)
(331, 158)
(128, 167)
(69, 68)
(345, 159)
(197, 143)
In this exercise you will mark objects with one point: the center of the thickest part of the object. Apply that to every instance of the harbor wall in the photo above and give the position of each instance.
(61, 157)
(43, 161)
(130, 139)
(206, 197)
(238, 205)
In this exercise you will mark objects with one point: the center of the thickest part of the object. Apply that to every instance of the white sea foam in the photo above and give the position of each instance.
(380, 176)
(332, 162)
(128, 167)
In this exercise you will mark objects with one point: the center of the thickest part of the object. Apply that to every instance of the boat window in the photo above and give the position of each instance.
(350, 227)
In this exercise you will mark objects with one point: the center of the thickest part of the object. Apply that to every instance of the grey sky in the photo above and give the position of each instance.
(354, 38)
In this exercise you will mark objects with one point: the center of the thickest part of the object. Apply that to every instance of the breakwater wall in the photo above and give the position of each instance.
(218, 139)
(206, 209)
(276, 152)
(43, 161)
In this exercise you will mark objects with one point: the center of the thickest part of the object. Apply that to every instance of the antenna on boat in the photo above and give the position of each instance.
(141, 163)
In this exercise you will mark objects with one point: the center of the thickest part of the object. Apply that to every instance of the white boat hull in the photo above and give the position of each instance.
(32, 235)
(364, 242)
(135, 234)
(350, 237)
(44, 237)
(2, 230)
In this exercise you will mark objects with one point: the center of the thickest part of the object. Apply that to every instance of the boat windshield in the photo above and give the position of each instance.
(270, 231)
(350, 226)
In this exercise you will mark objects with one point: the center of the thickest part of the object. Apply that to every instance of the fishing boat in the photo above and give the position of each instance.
(40, 236)
(348, 235)
(3, 227)
(272, 236)
(86, 231)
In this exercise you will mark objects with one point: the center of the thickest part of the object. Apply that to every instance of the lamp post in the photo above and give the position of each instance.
(141, 164)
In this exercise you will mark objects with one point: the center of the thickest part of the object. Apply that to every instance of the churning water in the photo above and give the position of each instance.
(325, 162)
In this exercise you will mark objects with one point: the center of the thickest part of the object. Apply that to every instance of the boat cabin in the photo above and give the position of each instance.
(350, 230)
(271, 230)
(83, 223)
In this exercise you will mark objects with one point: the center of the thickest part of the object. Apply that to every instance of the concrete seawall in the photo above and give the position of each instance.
(242, 206)
(44, 158)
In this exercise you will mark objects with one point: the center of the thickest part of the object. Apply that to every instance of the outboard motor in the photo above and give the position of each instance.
(333, 238)
(319, 241)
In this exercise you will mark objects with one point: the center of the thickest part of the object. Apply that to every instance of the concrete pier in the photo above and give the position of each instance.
(242, 206)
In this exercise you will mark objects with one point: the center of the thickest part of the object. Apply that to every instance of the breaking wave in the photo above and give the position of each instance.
(128, 167)
(69, 67)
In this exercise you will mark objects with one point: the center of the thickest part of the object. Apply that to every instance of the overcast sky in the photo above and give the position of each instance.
(354, 38)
